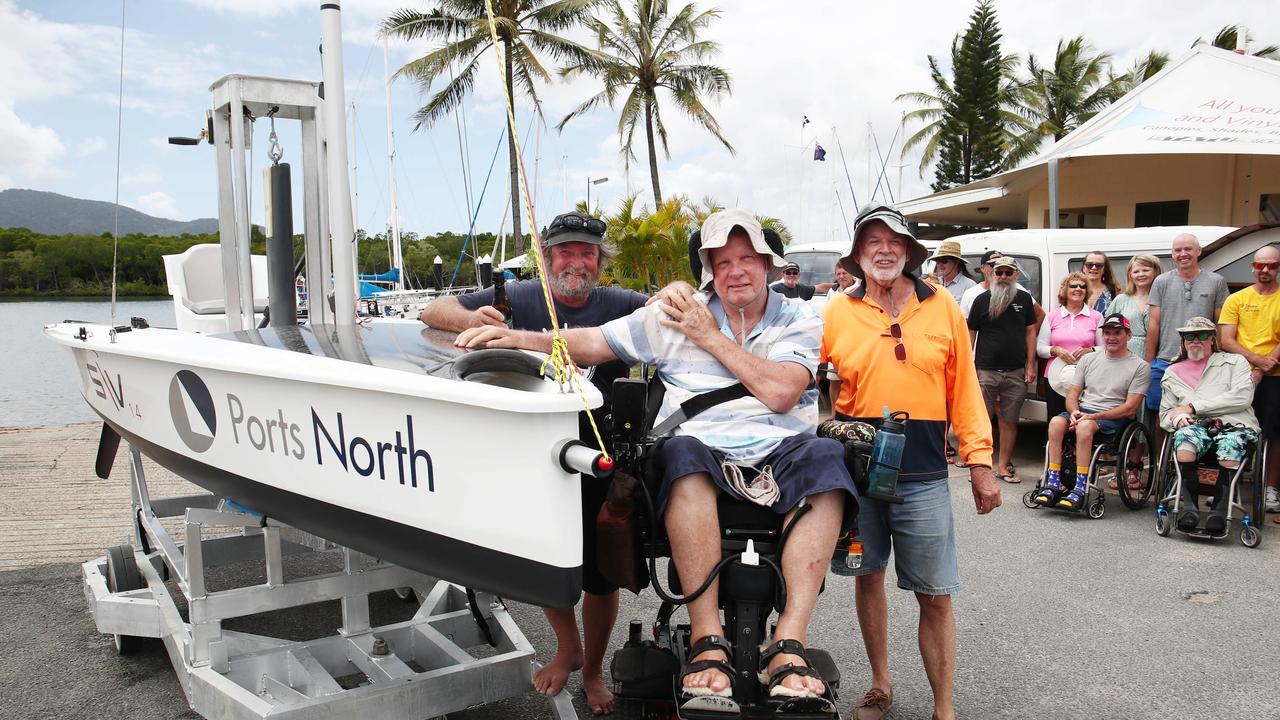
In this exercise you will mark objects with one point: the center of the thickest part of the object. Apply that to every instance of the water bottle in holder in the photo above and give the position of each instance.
(886, 457)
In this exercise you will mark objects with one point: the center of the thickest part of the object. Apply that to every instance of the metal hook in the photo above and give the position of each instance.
(275, 152)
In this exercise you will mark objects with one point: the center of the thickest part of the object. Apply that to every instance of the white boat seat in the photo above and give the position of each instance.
(202, 291)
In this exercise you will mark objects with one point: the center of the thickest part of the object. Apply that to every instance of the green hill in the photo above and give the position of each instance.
(53, 214)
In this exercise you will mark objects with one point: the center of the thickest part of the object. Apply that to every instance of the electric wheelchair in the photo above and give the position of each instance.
(1127, 453)
(646, 671)
(1248, 480)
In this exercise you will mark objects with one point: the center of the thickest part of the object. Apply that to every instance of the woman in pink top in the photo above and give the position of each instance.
(1068, 332)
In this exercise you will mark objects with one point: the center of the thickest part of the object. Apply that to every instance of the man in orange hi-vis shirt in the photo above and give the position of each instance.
(901, 343)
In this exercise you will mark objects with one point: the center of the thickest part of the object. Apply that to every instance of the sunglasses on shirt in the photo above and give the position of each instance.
(899, 350)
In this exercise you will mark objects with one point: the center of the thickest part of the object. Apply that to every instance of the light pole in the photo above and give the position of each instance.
(591, 182)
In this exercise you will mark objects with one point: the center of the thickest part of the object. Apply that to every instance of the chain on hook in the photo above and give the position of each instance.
(275, 152)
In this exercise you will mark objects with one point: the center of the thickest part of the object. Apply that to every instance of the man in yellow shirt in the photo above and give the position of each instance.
(1250, 326)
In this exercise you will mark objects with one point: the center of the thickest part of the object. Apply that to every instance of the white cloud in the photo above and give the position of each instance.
(158, 203)
(6, 182)
(33, 151)
(90, 146)
(146, 175)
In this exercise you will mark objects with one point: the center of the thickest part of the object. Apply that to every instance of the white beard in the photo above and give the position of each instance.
(563, 284)
(882, 275)
(1196, 354)
(1002, 295)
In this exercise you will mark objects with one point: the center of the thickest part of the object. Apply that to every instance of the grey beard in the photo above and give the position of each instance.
(1001, 296)
(561, 285)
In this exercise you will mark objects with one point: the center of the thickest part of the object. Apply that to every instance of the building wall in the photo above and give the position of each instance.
(1223, 190)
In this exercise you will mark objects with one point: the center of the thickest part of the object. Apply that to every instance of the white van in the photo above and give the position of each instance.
(1046, 256)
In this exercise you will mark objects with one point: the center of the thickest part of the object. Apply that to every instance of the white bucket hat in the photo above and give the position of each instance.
(715, 234)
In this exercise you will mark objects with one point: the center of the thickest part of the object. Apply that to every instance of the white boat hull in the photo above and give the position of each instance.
(451, 478)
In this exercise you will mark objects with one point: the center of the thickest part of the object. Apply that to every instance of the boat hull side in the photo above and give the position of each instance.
(440, 556)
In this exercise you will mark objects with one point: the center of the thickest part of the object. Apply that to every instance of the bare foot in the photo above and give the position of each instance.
(711, 679)
(797, 683)
(599, 698)
(550, 678)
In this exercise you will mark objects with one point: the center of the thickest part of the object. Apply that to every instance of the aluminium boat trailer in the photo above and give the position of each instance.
(422, 667)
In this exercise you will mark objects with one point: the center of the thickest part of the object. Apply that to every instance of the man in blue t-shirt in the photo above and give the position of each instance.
(574, 253)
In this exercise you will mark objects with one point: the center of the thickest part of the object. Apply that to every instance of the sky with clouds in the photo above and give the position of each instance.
(839, 63)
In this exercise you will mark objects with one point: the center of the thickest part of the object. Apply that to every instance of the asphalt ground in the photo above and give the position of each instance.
(1060, 617)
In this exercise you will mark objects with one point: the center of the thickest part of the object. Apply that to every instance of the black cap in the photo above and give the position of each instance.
(986, 256)
(574, 227)
(1116, 320)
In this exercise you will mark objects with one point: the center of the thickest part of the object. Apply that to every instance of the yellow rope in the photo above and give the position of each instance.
(560, 361)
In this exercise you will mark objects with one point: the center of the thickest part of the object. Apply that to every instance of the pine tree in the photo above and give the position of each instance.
(966, 129)
(971, 147)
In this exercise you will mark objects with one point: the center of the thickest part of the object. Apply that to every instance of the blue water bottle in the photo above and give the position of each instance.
(886, 457)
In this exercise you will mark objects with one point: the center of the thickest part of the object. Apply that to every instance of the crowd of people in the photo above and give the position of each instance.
(955, 354)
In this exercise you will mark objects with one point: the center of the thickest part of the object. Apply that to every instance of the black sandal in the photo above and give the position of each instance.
(793, 701)
(703, 700)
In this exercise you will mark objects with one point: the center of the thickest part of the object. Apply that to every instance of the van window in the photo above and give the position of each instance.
(1031, 276)
(815, 267)
(1120, 265)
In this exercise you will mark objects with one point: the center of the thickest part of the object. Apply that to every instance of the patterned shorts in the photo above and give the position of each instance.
(1230, 444)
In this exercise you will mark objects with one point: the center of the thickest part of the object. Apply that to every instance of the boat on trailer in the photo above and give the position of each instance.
(450, 474)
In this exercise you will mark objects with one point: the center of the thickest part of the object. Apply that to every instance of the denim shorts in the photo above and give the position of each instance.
(920, 531)
(1158, 367)
(1105, 427)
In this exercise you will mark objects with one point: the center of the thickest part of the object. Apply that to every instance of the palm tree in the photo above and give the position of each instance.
(1227, 37)
(1142, 70)
(1059, 98)
(644, 50)
(524, 27)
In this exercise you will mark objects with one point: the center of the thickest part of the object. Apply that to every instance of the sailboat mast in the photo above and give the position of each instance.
(397, 253)
(333, 112)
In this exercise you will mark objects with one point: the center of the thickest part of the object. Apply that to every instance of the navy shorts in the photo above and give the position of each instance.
(1158, 367)
(803, 465)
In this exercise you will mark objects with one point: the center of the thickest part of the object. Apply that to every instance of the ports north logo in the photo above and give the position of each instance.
(191, 407)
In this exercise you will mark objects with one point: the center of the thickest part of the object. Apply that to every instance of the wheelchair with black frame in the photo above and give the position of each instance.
(1178, 505)
(646, 670)
(1126, 454)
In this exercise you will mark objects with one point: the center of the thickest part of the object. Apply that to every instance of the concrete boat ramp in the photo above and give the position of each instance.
(1158, 627)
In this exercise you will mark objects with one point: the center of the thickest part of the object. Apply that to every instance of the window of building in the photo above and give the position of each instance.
(1087, 217)
(1165, 212)
(1269, 208)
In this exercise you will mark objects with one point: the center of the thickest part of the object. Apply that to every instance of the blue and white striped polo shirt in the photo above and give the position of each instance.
(744, 430)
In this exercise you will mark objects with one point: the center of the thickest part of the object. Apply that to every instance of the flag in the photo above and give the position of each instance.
(806, 121)
(819, 154)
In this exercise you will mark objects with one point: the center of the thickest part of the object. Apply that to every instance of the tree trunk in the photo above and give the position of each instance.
(653, 155)
(513, 159)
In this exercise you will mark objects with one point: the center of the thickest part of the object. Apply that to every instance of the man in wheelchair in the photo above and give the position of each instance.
(1207, 403)
(760, 447)
(1105, 393)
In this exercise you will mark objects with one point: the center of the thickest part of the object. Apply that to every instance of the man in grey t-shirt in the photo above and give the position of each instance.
(1178, 295)
(1105, 394)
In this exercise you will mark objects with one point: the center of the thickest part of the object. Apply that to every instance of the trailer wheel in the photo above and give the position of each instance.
(122, 576)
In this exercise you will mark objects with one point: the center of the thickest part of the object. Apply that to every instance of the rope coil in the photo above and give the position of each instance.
(560, 361)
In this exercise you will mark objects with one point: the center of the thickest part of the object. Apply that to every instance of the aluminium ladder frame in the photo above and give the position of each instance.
(228, 674)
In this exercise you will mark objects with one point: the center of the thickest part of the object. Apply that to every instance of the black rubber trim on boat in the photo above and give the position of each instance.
(433, 554)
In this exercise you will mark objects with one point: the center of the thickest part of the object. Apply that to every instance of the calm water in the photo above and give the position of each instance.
(38, 385)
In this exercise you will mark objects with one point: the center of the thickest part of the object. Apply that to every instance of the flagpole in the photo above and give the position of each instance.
(803, 167)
